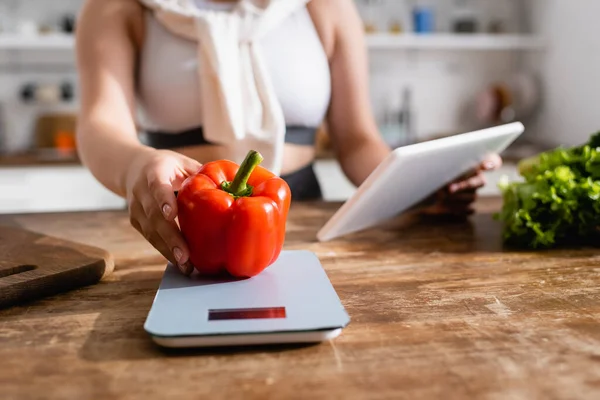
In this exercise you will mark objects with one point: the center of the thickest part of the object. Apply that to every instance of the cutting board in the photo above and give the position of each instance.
(33, 265)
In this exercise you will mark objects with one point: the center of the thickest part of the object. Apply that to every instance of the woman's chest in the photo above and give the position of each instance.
(169, 88)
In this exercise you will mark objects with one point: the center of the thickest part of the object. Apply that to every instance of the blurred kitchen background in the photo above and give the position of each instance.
(437, 68)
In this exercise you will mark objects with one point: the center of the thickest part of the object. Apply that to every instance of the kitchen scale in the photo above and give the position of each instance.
(292, 301)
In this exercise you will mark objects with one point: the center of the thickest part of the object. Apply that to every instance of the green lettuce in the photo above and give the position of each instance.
(558, 200)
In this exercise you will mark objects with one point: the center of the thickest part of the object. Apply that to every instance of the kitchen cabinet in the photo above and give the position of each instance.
(48, 188)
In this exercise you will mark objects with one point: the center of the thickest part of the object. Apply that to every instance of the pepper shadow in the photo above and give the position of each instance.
(177, 280)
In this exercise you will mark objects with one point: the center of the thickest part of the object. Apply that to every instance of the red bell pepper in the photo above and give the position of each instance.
(233, 217)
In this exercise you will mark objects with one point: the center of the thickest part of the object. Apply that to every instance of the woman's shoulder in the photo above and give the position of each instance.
(114, 6)
(332, 11)
(330, 16)
(123, 12)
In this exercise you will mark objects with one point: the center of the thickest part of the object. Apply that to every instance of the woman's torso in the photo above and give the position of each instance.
(168, 86)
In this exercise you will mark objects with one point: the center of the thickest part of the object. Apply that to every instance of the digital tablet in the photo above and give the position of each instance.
(412, 173)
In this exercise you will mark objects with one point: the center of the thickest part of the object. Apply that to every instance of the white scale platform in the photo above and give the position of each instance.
(292, 301)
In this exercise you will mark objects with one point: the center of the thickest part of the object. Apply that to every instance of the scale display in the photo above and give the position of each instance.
(246, 313)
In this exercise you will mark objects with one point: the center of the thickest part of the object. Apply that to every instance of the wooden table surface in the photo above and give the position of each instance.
(439, 310)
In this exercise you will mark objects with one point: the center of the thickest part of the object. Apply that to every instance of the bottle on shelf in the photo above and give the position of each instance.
(423, 16)
(464, 17)
(396, 126)
(390, 128)
(67, 23)
(405, 117)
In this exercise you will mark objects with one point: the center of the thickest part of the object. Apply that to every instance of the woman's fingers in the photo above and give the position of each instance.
(474, 182)
(164, 198)
(189, 167)
(161, 189)
(461, 197)
(168, 178)
(475, 179)
(147, 218)
(168, 232)
(138, 219)
(456, 204)
(456, 210)
(492, 162)
(151, 185)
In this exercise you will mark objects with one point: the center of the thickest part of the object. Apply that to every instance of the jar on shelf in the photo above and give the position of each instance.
(465, 18)
(396, 15)
(371, 15)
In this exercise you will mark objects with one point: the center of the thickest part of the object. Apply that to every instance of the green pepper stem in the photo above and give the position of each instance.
(239, 185)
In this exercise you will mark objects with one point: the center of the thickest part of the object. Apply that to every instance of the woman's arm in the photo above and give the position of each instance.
(354, 134)
(108, 35)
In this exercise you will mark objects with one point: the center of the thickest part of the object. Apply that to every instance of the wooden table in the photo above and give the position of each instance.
(438, 311)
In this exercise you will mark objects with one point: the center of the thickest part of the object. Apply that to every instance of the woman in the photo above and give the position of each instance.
(134, 55)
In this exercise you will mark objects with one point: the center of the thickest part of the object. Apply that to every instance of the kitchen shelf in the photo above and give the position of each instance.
(52, 41)
(480, 42)
(375, 41)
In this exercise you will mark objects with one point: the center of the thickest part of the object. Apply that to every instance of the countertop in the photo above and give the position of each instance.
(439, 310)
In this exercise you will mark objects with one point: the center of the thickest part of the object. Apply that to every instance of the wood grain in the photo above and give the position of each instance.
(439, 310)
(35, 265)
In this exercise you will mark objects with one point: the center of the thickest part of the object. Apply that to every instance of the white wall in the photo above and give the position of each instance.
(571, 70)
(443, 84)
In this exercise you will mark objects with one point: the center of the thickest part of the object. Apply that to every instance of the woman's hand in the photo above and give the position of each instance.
(151, 182)
(458, 197)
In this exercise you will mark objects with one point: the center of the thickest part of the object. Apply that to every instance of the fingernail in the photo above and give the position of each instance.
(489, 165)
(178, 254)
(183, 264)
(167, 210)
(186, 268)
(453, 188)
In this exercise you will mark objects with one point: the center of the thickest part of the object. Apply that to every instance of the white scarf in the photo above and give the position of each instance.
(240, 108)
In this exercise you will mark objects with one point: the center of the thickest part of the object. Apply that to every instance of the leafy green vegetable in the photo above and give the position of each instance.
(558, 200)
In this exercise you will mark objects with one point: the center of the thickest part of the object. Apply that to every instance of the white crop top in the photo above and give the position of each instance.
(168, 86)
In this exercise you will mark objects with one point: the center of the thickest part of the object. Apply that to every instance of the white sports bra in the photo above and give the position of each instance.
(168, 84)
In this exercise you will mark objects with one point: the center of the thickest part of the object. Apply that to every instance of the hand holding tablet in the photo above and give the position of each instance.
(410, 174)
